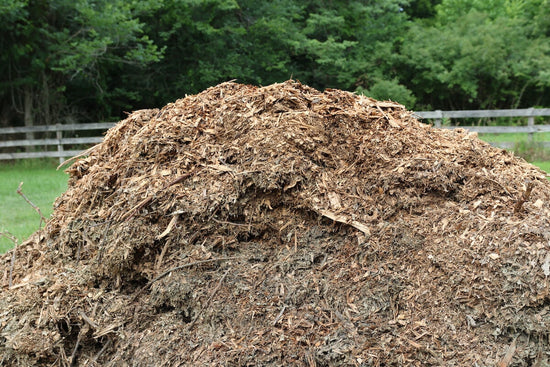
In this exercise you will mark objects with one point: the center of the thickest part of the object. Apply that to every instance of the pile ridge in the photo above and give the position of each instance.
(281, 225)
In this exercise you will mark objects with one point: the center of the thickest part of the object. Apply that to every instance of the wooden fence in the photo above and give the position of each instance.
(438, 116)
(60, 142)
(63, 147)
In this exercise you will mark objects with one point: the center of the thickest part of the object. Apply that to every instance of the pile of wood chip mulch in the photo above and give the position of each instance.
(274, 226)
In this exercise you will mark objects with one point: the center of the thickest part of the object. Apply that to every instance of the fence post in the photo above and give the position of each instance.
(531, 123)
(438, 118)
(59, 136)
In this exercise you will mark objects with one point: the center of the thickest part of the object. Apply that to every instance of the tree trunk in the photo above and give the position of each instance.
(45, 99)
(29, 118)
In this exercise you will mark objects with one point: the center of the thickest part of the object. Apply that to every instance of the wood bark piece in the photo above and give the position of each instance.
(345, 220)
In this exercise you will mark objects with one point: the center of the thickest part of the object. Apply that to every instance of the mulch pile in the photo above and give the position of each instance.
(274, 226)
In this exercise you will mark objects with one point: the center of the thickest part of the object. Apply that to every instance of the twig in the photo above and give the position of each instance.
(20, 192)
(88, 320)
(169, 228)
(176, 269)
(499, 184)
(140, 205)
(12, 265)
(279, 316)
(388, 117)
(208, 301)
(86, 152)
(13, 239)
(162, 253)
(341, 218)
(105, 346)
(73, 355)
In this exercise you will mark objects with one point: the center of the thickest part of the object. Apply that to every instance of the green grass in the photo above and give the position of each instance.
(544, 165)
(514, 137)
(530, 150)
(42, 184)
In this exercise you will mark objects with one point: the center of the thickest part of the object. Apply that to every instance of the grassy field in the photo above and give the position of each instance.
(522, 146)
(515, 137)
(544, 165)
(41, 185)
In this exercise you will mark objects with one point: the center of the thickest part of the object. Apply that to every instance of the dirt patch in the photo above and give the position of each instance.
(285, 226)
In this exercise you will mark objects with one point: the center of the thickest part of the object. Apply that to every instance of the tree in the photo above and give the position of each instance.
(321, 43)
(422, 9)
(479, 54)
(49, 44)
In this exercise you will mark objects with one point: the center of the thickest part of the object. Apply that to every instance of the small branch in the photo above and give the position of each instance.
(73, 355)
(86, 152)
(13, 239)
(176, 269)
(169, 228)
(341, 218)
(88, 320)
(20, 192)
(105, 346)
(279, 316)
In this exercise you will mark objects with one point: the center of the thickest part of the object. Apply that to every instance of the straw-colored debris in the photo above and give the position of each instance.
(275, 226)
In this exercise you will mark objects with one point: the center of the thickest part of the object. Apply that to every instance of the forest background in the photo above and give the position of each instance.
(66, 61)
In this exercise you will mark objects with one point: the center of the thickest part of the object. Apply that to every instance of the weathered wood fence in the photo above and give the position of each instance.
(45, 145)
(438, 116)
(63, 146)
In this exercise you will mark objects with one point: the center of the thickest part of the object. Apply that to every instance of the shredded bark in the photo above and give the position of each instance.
(285, 226)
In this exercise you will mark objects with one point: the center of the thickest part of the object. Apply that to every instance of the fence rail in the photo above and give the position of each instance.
(60, 142)
(526, 112)
(437, 117)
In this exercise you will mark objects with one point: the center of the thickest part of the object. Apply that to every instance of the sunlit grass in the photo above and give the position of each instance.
(514, 137)
(42, 184)
(544, 165)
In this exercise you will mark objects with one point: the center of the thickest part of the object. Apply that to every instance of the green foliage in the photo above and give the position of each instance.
(389, 90)
(544, 165)
(94, 59)
(324, 44)
(100, 32)
(47, 44)
(478, 54)
(421, 9)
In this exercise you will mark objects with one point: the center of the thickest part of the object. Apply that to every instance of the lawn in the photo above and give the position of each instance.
(41, 185)
(514, 137)
(544, 165)
(523, 147)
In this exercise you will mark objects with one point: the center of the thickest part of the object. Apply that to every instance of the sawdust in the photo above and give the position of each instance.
(285, 226)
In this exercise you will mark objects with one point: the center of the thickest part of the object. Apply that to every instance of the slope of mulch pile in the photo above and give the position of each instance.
(281, 225)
